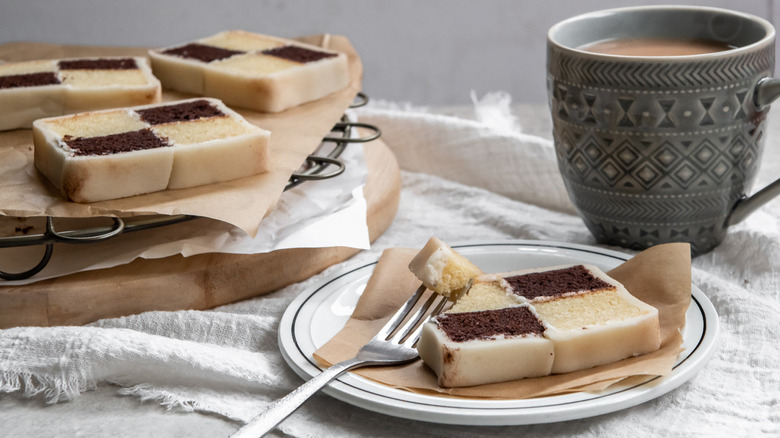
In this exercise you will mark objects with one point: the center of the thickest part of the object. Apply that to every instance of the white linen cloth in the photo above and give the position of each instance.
(463, 181)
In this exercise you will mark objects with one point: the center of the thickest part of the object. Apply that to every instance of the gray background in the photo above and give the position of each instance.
(424, 52)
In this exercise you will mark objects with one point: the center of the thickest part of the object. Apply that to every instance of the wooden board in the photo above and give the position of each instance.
(197, 282)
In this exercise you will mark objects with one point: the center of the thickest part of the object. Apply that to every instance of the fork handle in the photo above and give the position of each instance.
(282, 408)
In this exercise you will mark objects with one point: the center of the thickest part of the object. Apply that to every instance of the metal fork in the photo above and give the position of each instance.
(391, 346)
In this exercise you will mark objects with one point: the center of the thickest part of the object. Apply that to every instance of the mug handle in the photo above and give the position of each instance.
(767, 90)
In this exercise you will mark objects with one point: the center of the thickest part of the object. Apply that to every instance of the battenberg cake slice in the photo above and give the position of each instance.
(585, 319)
(47, 88)
(250, 70)
(109, 154)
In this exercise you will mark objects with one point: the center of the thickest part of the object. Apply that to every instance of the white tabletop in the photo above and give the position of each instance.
(102, 412)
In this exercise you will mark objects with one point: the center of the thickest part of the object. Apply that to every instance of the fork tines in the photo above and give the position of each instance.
(410, 331)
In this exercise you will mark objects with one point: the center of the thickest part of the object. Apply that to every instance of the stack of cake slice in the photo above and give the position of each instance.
(250, 70)
(123, 152)
(535, 322)
(46, 88)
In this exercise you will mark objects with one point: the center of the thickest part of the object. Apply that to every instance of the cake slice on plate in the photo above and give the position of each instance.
(536, 322)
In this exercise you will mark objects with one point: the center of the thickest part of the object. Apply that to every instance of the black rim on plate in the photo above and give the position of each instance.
(397, 400)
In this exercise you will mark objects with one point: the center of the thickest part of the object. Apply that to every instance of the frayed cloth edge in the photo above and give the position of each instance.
(53, 389)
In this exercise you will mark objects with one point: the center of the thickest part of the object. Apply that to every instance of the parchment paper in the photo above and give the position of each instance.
(659, 276)
(316, 214)
(295, 133)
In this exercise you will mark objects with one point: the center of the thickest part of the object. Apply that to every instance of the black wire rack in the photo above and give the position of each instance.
(323, 164)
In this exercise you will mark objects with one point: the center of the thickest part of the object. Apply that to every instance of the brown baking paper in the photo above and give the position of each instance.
(659, 276)
(295, 134)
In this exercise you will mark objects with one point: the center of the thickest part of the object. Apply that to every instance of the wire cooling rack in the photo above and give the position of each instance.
(321, 165)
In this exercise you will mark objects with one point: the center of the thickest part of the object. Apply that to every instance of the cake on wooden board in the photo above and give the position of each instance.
(251, 70)
(31, 90)
(111, 154)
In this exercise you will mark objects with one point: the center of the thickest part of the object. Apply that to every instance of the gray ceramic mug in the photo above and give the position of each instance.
(657, 149)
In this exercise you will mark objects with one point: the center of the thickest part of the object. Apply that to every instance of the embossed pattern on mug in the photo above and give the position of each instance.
(594, 72)
(650, 151)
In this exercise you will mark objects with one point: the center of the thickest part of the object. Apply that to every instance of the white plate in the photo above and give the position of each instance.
(318, 314)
